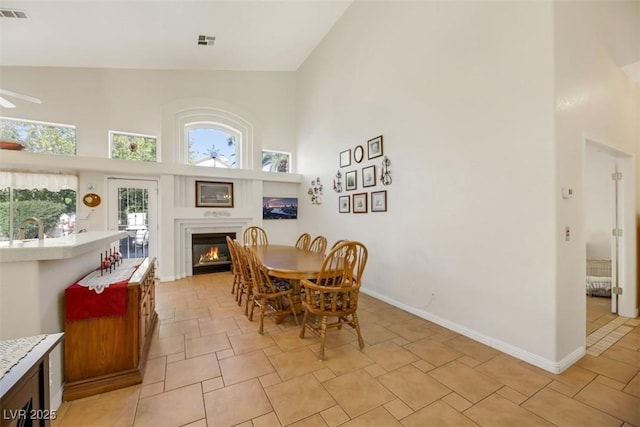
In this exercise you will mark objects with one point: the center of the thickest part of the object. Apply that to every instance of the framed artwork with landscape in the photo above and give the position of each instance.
(211, 194)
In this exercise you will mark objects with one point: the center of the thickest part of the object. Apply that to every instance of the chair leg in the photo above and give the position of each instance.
(323, 335)
(293, 311)
(262, 308)
(240, 293)
(253, 305)
(249, 298)
(356, 326)
(305, 317)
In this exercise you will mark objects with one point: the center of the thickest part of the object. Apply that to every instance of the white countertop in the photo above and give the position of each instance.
(57, 248)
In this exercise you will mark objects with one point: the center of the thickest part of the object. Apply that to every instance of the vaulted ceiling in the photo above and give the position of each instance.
(163, 34)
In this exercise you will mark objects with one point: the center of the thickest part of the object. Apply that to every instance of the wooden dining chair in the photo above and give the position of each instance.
(319, 245)
(255, 235)
(271, 297)
(246, 282)
(235, 266)
(334, 294)
(303, 241)
(337, 243)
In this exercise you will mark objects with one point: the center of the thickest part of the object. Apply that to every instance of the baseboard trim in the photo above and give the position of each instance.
(517, 352)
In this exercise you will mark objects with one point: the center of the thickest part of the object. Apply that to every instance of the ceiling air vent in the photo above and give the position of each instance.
(13, 13)
(206, 40)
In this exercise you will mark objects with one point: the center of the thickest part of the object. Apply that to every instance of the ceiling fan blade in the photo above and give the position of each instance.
(6, 104)
(20, 96)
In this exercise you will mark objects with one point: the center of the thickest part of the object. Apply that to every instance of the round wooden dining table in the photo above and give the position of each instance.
(291, 263)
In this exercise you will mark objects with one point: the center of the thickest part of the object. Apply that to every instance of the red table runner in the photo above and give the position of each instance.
(84, 303)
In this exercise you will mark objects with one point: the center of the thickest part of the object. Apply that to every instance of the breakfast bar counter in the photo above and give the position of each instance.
(65, 247)
(33, 277)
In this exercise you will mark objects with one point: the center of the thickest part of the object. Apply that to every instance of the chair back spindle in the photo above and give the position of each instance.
(255, 235)
(318, 245)
(303, 241)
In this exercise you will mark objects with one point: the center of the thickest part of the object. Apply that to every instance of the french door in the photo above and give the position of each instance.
(133, 207)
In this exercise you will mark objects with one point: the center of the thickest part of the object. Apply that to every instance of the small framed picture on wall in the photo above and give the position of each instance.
(374, 147)
(345, 158)
(360, 203)
(351, 179)
(369, 176)
(344, 204)
(379, 201)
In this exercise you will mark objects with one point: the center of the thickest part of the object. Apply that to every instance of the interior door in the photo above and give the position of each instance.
(133, 207)
(616, 238)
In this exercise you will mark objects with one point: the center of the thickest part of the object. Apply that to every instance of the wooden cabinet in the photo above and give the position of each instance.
(107, 353)
(24, 390)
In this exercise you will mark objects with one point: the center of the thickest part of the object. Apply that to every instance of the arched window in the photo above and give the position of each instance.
(215, 138)
(212, 144)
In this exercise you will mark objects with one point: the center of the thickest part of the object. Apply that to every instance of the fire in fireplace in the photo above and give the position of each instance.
(210, 253)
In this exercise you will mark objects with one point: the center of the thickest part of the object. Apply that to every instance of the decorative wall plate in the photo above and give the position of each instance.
(91, 199)
(358, 153)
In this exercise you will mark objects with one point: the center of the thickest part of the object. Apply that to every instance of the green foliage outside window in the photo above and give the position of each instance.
(133, 147)
(275, 161)
(40, 137)
(47, 206)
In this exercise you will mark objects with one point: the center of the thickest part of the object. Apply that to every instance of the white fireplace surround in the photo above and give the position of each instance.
(185, 228)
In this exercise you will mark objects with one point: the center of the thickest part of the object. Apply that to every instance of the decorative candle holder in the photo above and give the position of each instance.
(337, 183)
(110, 260)
(385, 171)
(315, 191)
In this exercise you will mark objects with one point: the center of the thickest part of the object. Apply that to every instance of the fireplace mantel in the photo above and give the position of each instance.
(185, 228)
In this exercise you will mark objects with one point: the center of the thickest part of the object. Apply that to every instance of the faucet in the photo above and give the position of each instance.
(23, 225)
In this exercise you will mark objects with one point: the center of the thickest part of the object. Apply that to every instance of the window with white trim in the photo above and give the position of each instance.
(228, 138)
(212, 144)
(276, 161)
(39, 137)
(51, 198)
(131, 146)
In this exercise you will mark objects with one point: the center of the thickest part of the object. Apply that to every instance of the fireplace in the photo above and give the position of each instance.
(210, 253)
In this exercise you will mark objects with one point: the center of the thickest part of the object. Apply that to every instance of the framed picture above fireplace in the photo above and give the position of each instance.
(211, 194)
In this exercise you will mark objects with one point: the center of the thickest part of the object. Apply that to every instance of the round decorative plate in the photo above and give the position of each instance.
(358, 153)
(91, 199)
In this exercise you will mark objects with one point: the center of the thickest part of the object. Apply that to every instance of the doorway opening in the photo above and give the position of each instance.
(609, 219)
(132, 207)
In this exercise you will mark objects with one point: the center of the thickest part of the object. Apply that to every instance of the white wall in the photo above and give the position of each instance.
(463, 94)
(596, 101)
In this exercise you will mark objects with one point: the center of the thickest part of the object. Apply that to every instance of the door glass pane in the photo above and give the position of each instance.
(133, 217)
